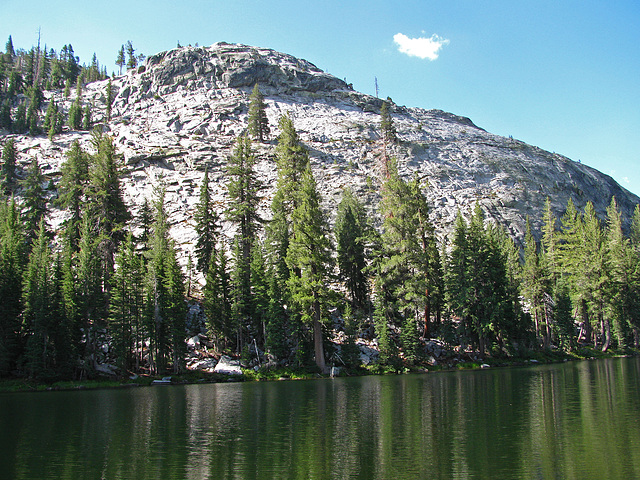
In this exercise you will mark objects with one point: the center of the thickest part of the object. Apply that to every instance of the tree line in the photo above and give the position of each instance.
(25, 75)
(94, 291)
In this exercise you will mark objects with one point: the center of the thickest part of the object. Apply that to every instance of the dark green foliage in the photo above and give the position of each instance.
(35, 201)
(120, 59)
(105, 201)
(258, 121)
(351, 231)
(217, 299)
(309, 259)
(126, 306)
(407, 263)
(87, 122)
(75, 115)
(132, 60)
(478, 284)
(165, 296)
(386, 124)
(207, 226)
(5, 115)
(243, 188)
(12, 264)
(20, 124)
(350, 353)
(72, 190)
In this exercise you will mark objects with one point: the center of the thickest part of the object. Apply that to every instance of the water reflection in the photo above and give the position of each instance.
(576, 420)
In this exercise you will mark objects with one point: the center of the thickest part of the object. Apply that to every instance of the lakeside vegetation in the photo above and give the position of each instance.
(92, 293)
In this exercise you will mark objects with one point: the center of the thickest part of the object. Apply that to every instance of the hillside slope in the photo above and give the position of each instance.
(183, 109)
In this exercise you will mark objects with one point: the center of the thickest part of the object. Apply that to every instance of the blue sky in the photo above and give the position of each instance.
(561, 75)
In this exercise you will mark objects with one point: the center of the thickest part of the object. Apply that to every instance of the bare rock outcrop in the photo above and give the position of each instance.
(183, 109)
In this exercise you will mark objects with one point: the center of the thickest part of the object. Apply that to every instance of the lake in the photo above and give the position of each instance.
(577, 420)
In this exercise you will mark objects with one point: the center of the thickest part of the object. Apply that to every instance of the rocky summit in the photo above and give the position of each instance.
(183, 109)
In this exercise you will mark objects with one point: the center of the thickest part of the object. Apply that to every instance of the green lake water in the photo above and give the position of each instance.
(577, 420)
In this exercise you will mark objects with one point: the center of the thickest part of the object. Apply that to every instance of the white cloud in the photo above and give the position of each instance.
(420, 47)
(625, 179)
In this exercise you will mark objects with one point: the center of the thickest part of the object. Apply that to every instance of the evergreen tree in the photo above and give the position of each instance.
(51, 119)
(75, 115)
(243, 187)
(350, 352)
(292, 160)
(20, 124)
(5, 115)
(258, 121)
(145, 221)
(533, 288)
(309, 254)
(619, 285)
(126, 305)
(37, 321)
(351, 229)
(386, 125)
(132, 60)
(12, 264)
(406, 263)
(120, 60)
(87, 123)
(105, 200)
(276, 323)
(217, 299)
(166, 307)
(34, 199)
(591, 273)
(207, 226)
(72, 190)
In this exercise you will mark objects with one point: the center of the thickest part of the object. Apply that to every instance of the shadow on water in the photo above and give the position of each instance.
(575, 420)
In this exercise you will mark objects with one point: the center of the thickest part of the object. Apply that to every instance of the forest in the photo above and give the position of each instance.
(94, 293)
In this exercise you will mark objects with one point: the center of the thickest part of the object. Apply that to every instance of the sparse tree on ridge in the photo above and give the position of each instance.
(258, 121)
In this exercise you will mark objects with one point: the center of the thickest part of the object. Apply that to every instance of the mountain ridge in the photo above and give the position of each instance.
(182, 110)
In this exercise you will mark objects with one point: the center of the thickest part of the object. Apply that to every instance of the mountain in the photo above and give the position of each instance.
(183, 109)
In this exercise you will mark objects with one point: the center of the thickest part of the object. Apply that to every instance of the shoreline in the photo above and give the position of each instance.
(21, 385)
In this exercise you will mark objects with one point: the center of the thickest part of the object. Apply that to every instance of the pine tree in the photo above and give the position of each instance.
(37, 292)
(166, 307)
(217, 303)
(309, 254)
(132, 60)
(20, 124)
(35, 202)
(351, 229)
(258, 121)
(126, 305)
(120, 60)
(105, 200)
(619, 283)
(207, 226)
(243, 188)
(386, 125)
(72, 189)
(406, 264)
(592, 274)
(533, 288)
(12, 264)
(87, 123)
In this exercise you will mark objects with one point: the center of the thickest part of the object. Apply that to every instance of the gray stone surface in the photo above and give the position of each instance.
(183, 109)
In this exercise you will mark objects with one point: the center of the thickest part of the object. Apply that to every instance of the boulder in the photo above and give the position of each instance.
(228, 366)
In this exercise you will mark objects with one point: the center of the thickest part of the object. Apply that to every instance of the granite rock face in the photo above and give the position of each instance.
(183, 109)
